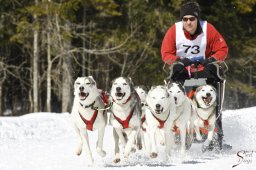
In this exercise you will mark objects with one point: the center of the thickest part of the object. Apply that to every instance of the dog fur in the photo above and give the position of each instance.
(204, 104)
(160, 105)
(125, 115)
(88, 114)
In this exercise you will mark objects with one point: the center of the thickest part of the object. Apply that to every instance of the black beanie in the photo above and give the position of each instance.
(190, 8)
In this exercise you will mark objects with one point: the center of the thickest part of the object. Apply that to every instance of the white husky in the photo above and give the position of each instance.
(181, 120)
(88, 114)
(125, 115)
(204, 103)
(160, 105)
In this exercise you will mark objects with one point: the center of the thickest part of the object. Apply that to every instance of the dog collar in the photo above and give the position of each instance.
(91, 105)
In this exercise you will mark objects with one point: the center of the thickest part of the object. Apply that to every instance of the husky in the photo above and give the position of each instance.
(181, 119)
(142, 93)
(204, 104)
(125, 115)
(88, 115)
(160, 105)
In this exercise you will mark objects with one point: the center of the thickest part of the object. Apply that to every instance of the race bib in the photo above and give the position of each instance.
(192, 49)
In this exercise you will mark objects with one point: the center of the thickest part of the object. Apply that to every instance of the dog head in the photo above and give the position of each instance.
(158, 99)
(142, 92)
(85, 89)
(178, 92)
(205, 96)
(121, 89)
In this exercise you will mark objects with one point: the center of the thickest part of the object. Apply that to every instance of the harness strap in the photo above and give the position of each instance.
(125, 123)
(89, 123)
(104, 97)
(206, 122)
(161, 122)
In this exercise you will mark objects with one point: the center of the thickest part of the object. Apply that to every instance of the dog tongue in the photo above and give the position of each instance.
(83, 95)
(119, 94)
(207, 100)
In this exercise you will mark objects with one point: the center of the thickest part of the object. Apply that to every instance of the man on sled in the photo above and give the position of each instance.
(195, 52)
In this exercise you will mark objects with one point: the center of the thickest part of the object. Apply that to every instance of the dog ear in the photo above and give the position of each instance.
(213, 88)
(91, 79)
(181, 87)
(129, 79)
(152, 87)
(199, 88)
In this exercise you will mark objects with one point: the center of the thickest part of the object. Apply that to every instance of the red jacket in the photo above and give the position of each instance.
(216, 46)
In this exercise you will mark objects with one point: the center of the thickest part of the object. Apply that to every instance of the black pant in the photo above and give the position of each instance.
(180, 74)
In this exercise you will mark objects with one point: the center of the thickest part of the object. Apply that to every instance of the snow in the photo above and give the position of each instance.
(47, 141)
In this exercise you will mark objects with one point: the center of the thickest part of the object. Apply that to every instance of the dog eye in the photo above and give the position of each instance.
(163, 98)
(170, 91)
(78, 83)
(88, 83)
(125, 84)
(178, 91)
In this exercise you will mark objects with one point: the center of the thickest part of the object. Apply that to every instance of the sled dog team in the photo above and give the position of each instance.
(134, 113)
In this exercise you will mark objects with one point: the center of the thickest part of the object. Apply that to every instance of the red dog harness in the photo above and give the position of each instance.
(161, 122)
(125, 123)
(89, 123)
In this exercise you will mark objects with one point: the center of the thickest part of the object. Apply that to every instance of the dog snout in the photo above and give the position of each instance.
(175, 98)
(158, 106)
(118, 89)
(81, 88)
(208, 94)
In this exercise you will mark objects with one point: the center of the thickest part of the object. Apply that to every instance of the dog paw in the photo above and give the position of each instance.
(90, 162)
(153, 155)
(117, 160)
(133, 150)
(139, 146)
(78, 151)
(101, 152)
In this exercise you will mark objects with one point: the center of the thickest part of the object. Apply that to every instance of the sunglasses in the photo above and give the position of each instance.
(190, 19)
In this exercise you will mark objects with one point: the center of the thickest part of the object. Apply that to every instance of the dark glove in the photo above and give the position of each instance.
(185, 61)
(208, 61)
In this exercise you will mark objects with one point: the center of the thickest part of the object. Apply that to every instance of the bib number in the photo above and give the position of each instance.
(195, 49)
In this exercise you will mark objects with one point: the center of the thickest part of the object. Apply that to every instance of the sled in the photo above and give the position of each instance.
(190, 86)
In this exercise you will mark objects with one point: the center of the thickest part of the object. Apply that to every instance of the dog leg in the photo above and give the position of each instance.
(86, 146)
(167, 135)
(129, 144)
(152, 139)
(183, 140)
(160, 136)
(210, 132)
(100, 151)
(208, 142)
(117, 150)
(80, 145)
(198, 135)
(139, 139)
(121, 136)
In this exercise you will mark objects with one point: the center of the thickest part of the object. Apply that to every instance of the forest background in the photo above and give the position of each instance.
(46, 44)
